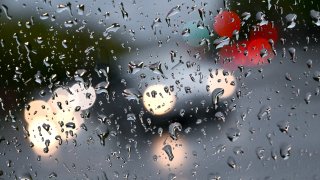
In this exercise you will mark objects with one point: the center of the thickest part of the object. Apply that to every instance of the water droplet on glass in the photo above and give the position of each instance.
(260, 152)
(216, 94)
(124, 13)
(175, 10)
(233, 134)
(64, 7)
(307, 97)
(168, 150)
(156, 68)
(113, 28)
(101, 87)
(80, 9)
(315, 15)
(283, 126)
(156, 23)
(222, 41)
(102, 132)
(260, 17)
(214, 176)
(6, 11)
(285, 151)
(44, 16)
(173, 128)
(133, 67)
(316, 76)
(291, 18)
(292, 52)
(264, 111)
(231, 162)
(246, 15)
(132, 94)
(220, 116)
(186, 32)
(131, 117)
(309, 63)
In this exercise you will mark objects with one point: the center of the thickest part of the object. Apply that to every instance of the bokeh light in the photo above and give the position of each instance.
(226, 23)
(85, 97)
(267, 32)
(179, 151)
(43, 134)
(157, 101)
(63, 100)
(37, 108)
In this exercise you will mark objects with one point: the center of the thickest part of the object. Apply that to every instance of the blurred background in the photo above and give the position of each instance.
(159, 89)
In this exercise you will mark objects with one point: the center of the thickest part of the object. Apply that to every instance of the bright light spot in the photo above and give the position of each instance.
(42, 134)
(85, 97)
(36, 109)
(157, 101)
(220, 80)
(179, 151)
(63, 100)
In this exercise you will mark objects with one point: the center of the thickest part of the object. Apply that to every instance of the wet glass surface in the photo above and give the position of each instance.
(173, 89)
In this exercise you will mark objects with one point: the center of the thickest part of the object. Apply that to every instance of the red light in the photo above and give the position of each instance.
(235, 54)
(267, 31)
(226, 23)
(259, 51)
(246, 53)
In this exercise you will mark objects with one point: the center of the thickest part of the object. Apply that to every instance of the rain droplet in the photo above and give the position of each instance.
(260, 152)
(132, 94)
(260, 16)
(64, 7)
(175, 10)
(307, 97)
(315, 15)
(102, 87)
(285, 151)
(245, 16)
(80, 9)
(309, 63)
(316, 76)
(168, 150)
(156, 68)
(102, 132)
(133, 68)
(222, 41)
(232, 162)
(5, 10)
(173, 128)
(264, 111)
(216, 94)
(292, 52)
(186, 32)
(44, 16)
(283, 126)
(131, 117)
(233, 134)
(220, 116)
(291, 18)
(113, 28)
(156, 22)
(124, 13)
